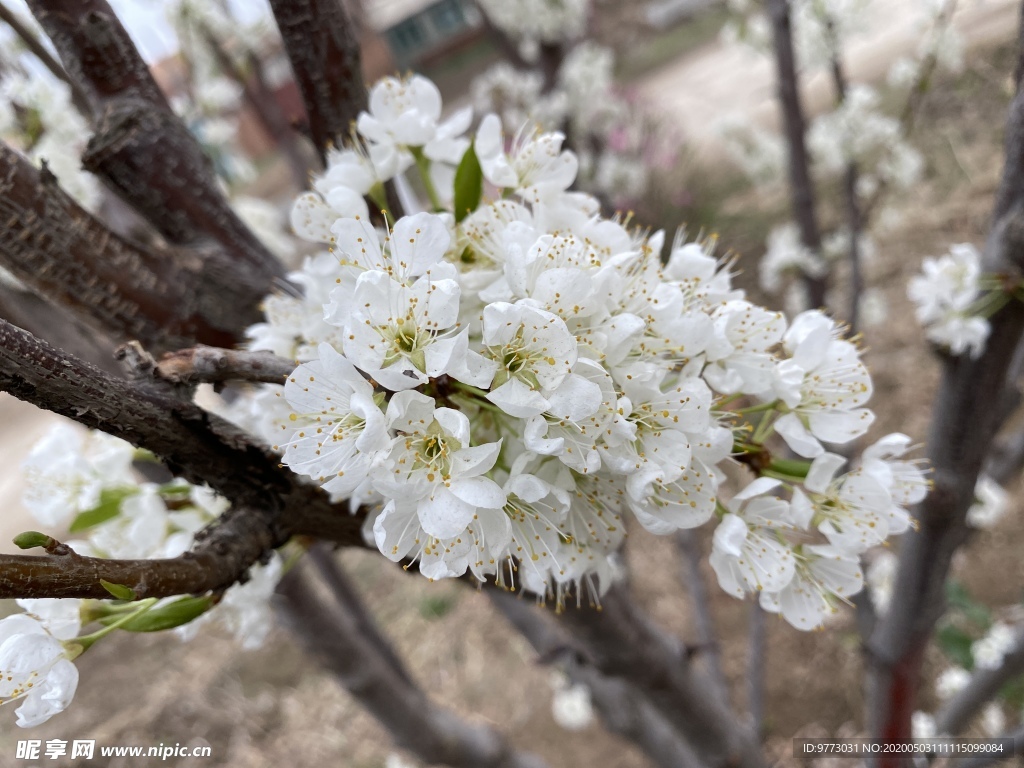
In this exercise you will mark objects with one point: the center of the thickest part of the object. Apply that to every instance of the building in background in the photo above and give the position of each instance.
(420, 32)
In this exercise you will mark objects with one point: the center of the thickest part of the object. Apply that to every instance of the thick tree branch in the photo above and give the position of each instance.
(623, 708)
(801, 186)
(956, 715)
(78, 97)
(162, 297)
(755, 667)
(213, 364)
(221, 556)
(143, 152)
(323, 49)
(192, 443)
(963, 427)
(433, 734)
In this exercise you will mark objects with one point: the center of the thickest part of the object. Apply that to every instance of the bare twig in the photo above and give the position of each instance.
(165, 298)
(222, 555)
(324, 52)
(707, 639)
(192, 443)
(345, 594)
(415, 723)
(623, 708)
(755, 668)
(956, 715)
(262, 103)
(963, 427)
(213, 364)
(141, 150)
(801, 186)
(78, 97)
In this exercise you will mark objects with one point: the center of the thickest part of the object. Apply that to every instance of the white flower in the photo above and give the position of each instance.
(571, 708)
(824, 383)
(922, 725)
(746, 554)
(36, 668)
(823, 576)
(951, 681)
(944, 294)
(993, 720)
(66, 473)
(882, 579)
(432, 468)
(988, 652)
(342, 428)
(537, 168)
(990, 504)
(787, 254)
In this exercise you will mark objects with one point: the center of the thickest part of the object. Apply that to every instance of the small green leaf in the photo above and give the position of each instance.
(469, 184)
(956, 644)
(120, 591)
(108, 508)
(31, 539)
(167, 616)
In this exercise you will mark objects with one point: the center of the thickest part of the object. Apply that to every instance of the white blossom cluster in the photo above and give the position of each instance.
(47, 128)
(946, 294)
(501, 385)
(533, 22)
(85, 483)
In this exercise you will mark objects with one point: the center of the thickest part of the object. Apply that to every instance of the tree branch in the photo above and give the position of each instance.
(963, 427)
(213, 364)
(165, 298)
(696, 587)
(624, 709)
(78, 97)
(192, 443)
(624, 643)
(141, 150)
(956, 715)
(320, 39)
(755, 668)
(433, 734)
(982, 761)
(221, 556)
(801, 186)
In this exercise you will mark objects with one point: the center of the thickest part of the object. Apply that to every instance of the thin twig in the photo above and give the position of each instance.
(222, 555)
(801, 186)
(755, 668)
(78, 97)
(433, 734)
(984, 684)
(696, 587)
(214, 364)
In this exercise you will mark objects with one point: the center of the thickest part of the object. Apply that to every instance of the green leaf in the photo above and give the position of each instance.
(956, 644)
(120, 591)
(108, 508)
(960, 599)
(469, 184)
(31, 539)
(167, 616)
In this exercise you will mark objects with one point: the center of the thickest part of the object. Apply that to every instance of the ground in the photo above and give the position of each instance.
(275, 707)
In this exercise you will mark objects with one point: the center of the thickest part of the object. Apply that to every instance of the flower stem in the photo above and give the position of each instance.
(86, 641)
(423, 166)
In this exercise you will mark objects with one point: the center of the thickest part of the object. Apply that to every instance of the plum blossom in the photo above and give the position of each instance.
(36, 661)
(944, 293)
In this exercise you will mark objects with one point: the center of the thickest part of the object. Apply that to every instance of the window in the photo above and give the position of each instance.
(447, 17)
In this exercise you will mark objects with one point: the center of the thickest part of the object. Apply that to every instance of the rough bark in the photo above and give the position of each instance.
(433, 734)
(801, 187)
(963, 427)
(221, 556)
(323, 49)
(140, 149)
(166, 298)
(192, 443)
